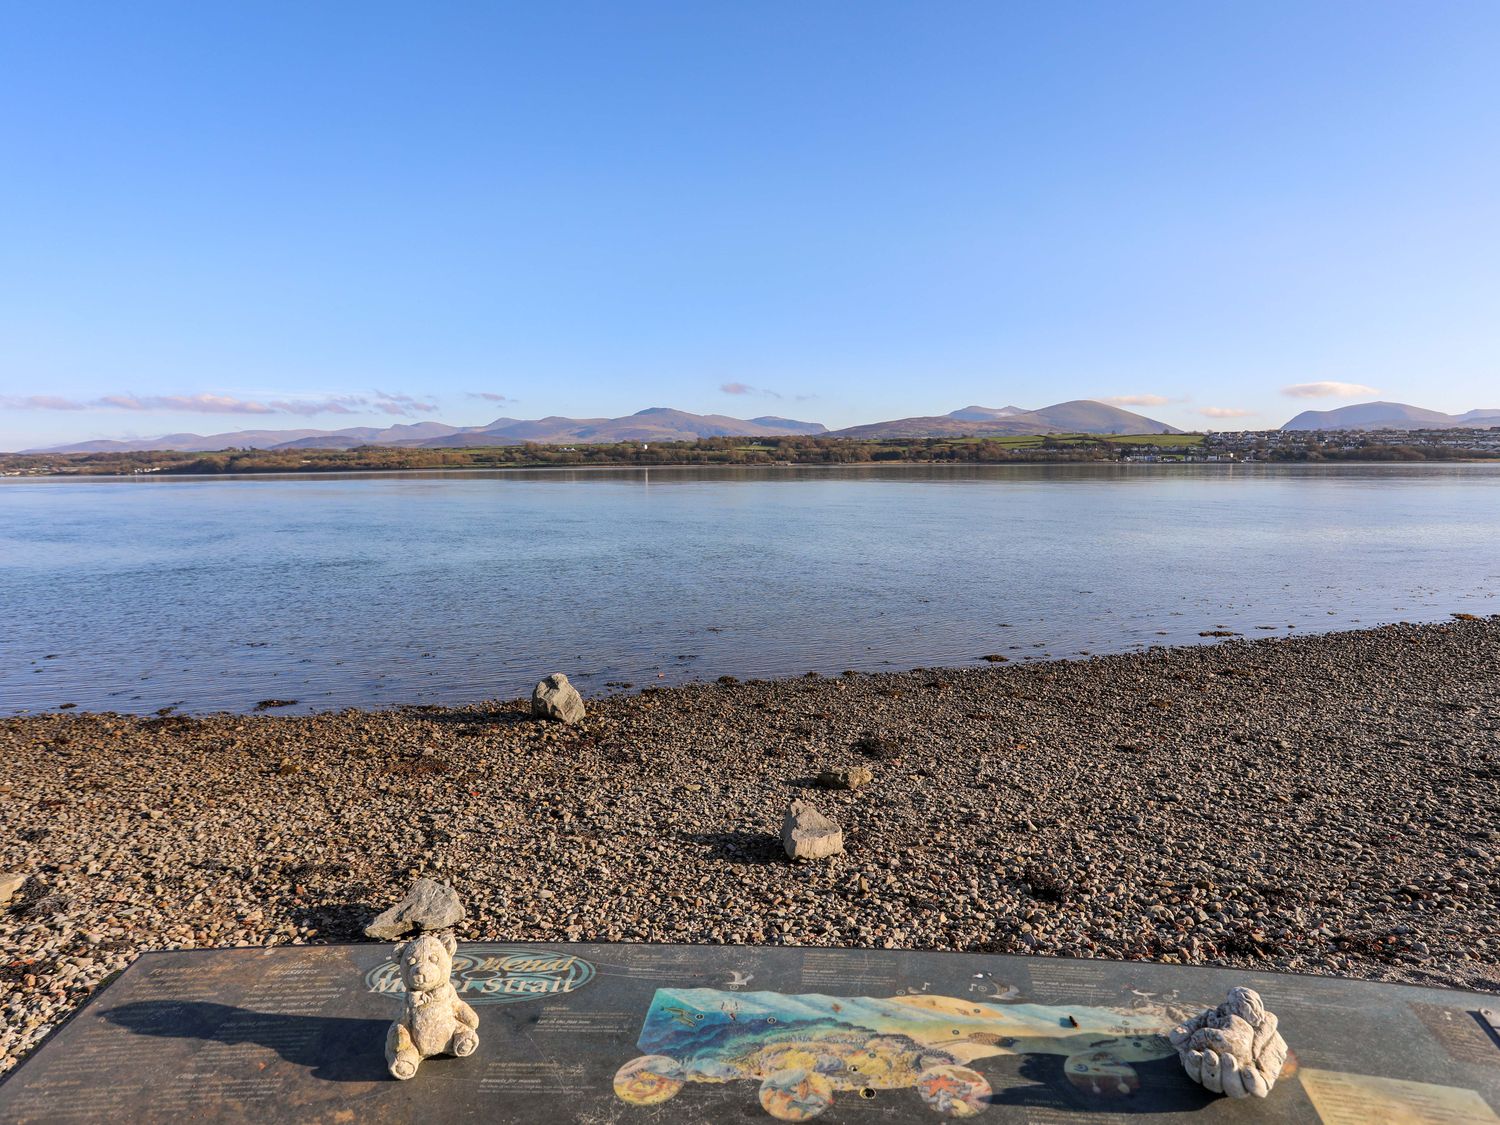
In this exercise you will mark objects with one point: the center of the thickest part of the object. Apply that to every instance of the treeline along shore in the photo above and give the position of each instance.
(1321, 804)
(1270, 446)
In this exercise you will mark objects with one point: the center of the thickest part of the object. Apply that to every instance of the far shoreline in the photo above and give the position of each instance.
(617, 467)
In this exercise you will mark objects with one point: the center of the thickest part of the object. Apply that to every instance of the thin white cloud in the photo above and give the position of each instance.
(747, 389)
(39, 402)
(1225, 412)
(402, 405)
(342, 404)
(194, 404)
(1136, 400)
(383, 402)
(1328, 390)
(490, 396)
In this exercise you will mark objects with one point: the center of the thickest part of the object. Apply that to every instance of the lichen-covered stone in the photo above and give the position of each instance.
(807, 834)
(429, 905)
(554, 698)
(1234, 1049)
(434, 1020)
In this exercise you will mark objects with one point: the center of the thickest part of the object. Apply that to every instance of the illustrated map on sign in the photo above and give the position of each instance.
(652, 1034)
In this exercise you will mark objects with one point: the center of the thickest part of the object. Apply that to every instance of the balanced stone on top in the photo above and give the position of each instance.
(807, 834)
(554, 698)
(429, 905)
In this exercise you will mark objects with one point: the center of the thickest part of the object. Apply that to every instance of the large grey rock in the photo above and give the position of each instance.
(429, 905)
(555, 698)
(11, 883)
(807, 834)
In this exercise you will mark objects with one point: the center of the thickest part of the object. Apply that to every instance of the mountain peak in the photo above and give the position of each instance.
(1381, 416)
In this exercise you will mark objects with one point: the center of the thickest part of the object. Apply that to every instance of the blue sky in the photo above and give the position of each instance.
(222, 216)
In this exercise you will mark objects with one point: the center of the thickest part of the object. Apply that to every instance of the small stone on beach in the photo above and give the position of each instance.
(851, 778)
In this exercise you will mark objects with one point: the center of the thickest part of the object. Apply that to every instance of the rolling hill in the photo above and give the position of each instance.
(1079, 416)
(1390, 416)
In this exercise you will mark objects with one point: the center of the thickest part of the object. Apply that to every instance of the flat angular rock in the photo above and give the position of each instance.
(554, 698)
(429, 905)
(11, 883)
(807, 834)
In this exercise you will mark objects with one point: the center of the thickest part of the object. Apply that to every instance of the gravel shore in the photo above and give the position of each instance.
(1318, 804)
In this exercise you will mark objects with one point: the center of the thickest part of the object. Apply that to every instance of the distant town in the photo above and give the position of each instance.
(1234, 447)
(1344, 445)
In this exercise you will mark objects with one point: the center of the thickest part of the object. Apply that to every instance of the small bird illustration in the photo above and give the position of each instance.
(738, 979)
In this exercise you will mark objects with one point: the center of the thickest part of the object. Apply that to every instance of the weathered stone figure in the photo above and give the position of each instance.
(435, 1021)
(1233, 1049)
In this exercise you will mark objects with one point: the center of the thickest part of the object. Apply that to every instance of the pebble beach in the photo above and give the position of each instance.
(1319, 804)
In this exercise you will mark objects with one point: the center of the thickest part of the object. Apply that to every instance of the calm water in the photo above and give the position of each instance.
(404, 588)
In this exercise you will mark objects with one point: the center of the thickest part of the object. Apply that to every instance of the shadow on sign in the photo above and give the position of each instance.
(330, 1048)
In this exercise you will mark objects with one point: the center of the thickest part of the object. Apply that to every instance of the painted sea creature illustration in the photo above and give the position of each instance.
(805, 1049)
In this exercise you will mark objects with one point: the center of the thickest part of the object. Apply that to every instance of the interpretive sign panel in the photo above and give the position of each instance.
(651, 1033)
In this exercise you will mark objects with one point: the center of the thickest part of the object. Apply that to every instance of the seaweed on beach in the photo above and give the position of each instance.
(1046, 885)
(878, 747)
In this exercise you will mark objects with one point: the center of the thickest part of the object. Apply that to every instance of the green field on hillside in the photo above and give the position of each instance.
(1163, 440)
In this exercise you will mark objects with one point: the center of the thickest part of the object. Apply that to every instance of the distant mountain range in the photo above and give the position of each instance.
(1390, 416)
(660, 423)
(1080, 416)
(655, 424)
